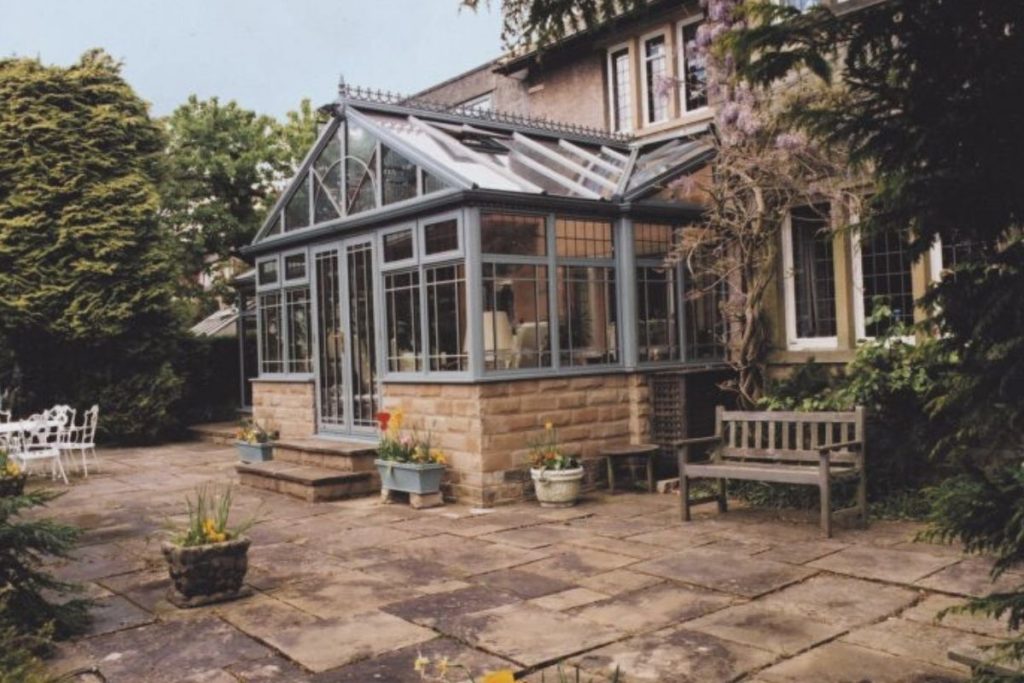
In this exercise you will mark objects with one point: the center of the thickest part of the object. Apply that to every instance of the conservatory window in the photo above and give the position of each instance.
(405, 344)
(399, 176)
(432, 183)
(297, 316)
(441, 237)
(620, 91)
(446, 318)
(515, 318)
(266, 272)
(398, 246)
(655, 66)
(810, 286)
(658, 298)
(691, 69)
(705, 324)
(271, 337)
(296, 213)
(295, 267)
(882, 275)
(587, 331)
(361, 179)
(513, 234)
(327, 180)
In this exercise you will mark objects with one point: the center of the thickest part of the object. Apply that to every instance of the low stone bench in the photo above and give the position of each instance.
(807, 448)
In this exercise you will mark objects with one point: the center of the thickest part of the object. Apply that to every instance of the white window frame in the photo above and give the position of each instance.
(421, 229)
(284, 282)
(404, 263)
(857, 275)
(680, 64)
(612, 103)
(644, 67)
(793, 342)
(268, 286)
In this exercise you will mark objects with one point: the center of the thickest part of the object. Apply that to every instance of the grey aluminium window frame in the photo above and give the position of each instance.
(420, 263)
(281, 286)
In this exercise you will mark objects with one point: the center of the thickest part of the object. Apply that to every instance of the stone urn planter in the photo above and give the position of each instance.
(254, 452)
(410, 477)
(557, 488)
(205, 574)
(12, 486)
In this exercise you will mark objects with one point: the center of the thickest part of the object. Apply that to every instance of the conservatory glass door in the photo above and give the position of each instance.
(346, 372)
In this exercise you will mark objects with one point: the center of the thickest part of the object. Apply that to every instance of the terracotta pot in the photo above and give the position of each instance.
(557, 488)
(207, 573)
(12, 486)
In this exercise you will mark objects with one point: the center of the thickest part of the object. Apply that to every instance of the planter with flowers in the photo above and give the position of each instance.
(208, 561)
(405, 462)
(557, 477)
(254, 443)
(12, 479)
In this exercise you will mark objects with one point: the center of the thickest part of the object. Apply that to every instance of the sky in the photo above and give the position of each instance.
(266, 54)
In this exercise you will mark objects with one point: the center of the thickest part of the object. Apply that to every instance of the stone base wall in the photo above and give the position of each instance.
(288, 407)
(485, 429)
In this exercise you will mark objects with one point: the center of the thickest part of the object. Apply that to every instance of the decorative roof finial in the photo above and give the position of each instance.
(342, 86)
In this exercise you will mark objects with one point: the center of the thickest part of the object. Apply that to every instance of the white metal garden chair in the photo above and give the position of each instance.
(5, 416)
(38, 444)
(81, 438)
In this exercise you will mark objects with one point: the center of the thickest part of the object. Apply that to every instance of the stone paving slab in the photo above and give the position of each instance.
(572, 563)
(115, 613)
(896, 566)
(619, 581)
(397, 666)
(340, 592)
(574, 597)
(535, 536)
(727, 572)
(802, 552)
(676, 655)
(467, 555)
(841, 600)
(764, 626)
(917, 641)
(972, 577)
(527, 634)
(523, 583)
(650, 609)
(927, 610)
(847, 663)
(426, 610)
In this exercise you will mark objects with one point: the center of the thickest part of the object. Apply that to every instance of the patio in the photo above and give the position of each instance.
(355, 590)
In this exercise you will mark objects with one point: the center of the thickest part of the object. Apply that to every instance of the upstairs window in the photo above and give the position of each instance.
(655, 67)
(691, 70)
(620, 91)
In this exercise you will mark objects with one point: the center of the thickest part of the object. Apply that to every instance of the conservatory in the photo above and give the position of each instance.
(483, 273)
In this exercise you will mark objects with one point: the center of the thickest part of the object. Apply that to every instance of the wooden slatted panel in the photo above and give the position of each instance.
(789, 415)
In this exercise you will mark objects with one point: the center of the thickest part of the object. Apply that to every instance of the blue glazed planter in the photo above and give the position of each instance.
(410, 477)
(255, 452)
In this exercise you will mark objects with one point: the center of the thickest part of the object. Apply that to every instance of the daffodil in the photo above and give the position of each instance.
(549, 425)
(502, 676)
(420, 665)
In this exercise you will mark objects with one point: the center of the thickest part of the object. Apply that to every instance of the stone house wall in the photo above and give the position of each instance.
(288, 407)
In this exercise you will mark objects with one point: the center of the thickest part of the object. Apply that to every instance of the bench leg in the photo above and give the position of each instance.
(862, 499)
(723, 502)
(684, 496)
(611, 476)
(826, 506)
(650, 473)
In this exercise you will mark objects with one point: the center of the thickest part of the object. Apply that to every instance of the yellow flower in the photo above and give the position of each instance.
(441, 666)
(420, 665)
(12, 469)
(502, 676)
(439, 457)
(549, 425)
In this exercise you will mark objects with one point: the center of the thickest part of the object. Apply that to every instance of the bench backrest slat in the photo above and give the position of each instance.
(790, 437)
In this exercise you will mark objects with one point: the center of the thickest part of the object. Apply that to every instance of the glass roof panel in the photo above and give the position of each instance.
(327, 180)
(660, 159)
(296, 213)
(361, 179)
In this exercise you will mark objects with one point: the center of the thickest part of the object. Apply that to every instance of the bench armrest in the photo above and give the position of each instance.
(697, 441)
(847, 445)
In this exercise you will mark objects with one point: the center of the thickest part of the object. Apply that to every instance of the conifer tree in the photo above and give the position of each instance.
(87, 274)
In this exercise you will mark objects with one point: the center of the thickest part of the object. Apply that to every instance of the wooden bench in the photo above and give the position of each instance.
(809, 448)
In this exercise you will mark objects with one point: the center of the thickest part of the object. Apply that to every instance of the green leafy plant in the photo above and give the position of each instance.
(208, 514)
(398, 447)
(27, 604)
(8, 468)
(546, 453)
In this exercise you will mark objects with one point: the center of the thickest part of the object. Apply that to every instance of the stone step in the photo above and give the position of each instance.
(343, 456)
(310, 483)
(215, 432)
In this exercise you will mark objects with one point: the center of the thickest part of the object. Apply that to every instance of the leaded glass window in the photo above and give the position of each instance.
(446, 318)
(405, 343)
(692, 68)
(297, 316)
(813, 272)
(886, 280)
(620, 90)
(513, 234)
(705, 322)
(658, 299)
(516, 316)
(271, 337)
(655, 57)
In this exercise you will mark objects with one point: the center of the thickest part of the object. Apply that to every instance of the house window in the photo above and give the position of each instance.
(297, 316)
(884, 279)
(692, 69)
(585, 280)
(271, 337)
(484, 102)
(654, 68)
(405, 342)
(810, 277)
(620, 90)
(657, 294)
(446, 318)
